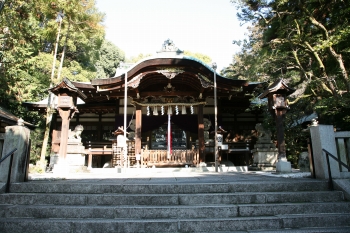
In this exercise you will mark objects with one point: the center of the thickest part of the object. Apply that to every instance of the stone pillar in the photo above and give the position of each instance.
(75, 158)
(304, 162)
(322, 137)
(16, 137)
(265, 153)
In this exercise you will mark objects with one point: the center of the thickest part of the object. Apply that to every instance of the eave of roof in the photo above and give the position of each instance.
(9, 118)
(155, 62)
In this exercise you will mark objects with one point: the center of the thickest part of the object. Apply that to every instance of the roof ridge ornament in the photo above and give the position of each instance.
(169, 46)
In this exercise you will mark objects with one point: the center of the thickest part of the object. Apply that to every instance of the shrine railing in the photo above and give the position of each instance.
(330, 179)
(160, 158)
(10, 154)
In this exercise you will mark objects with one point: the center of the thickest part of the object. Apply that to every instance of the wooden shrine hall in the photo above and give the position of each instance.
(168, 112)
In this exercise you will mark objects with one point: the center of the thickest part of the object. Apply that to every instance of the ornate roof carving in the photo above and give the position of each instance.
(135, 82)
(170, 72)
(205, 81)
(169, 46)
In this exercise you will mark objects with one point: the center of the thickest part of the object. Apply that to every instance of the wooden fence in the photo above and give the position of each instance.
(178, 158)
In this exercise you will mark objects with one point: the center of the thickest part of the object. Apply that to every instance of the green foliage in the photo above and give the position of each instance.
(110, 57)
(204, 58)
(335, 112)
(28, 32)
(138, 58)
(36, 137)
(307, 44)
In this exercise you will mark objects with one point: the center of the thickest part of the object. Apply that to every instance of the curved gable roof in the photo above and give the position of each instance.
(159, 63)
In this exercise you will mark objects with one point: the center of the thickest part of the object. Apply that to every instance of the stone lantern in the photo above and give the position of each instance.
(67, 98)
(277, 94)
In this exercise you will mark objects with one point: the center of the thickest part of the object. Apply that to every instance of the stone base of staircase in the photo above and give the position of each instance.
(203, 203)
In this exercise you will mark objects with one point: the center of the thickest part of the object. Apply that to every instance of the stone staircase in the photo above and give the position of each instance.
(254, 206)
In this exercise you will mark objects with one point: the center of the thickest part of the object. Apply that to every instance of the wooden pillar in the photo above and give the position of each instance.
(281, 144)
(66, 116)
(201, 145)
(54, 135)
(138, 126)
(116, 114)
(99, 127)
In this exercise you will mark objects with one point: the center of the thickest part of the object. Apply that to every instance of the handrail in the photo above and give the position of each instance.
(330, 181)
(9, 173)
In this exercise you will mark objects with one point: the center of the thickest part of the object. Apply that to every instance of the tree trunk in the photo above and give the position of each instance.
(63, 52)
(322, 68)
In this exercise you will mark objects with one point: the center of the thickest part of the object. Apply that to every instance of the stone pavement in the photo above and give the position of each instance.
(166, 176)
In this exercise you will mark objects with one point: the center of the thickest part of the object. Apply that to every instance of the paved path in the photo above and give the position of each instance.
(164, 176)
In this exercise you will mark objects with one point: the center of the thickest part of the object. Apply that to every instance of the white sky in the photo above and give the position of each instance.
(199, 26)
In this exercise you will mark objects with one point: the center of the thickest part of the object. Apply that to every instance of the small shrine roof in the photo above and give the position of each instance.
(279, 86)
(67, 84)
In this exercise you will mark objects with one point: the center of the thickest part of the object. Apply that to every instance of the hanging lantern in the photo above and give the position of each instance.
(155, 111)
(162, 109)
(148, 111)
(177, 110)
(183, 112)
(191, 109)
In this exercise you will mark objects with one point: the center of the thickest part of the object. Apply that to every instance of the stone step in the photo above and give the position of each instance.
(169, 199)
(235, 224)
(169, 212)
(342, 229)
(92, 187)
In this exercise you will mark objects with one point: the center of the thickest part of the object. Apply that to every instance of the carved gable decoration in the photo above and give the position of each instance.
(205, 81)
(135, 82)
(170, 72)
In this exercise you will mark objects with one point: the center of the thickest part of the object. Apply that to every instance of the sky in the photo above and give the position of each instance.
(198, 26)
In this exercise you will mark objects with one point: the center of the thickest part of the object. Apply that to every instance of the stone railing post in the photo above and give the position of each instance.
(323, 137)
(16, 136)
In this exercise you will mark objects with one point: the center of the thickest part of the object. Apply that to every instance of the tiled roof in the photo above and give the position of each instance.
(5, 114)
(7, 117)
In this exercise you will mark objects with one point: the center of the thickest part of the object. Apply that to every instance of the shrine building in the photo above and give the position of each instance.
(169, 114)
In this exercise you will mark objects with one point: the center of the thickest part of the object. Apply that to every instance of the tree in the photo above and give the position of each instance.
(138, 58)
(83, 20)
(306, 43)
(83, 37)
(204, 58)
(110, 57)
(28, 30)
(307, 35)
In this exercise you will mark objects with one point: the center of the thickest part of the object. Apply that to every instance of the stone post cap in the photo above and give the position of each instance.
(20, 122)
